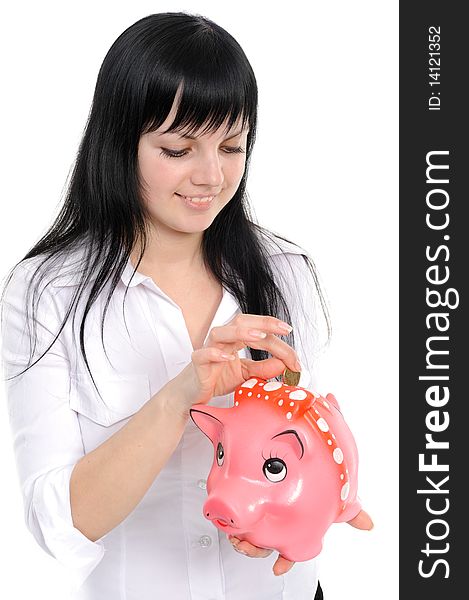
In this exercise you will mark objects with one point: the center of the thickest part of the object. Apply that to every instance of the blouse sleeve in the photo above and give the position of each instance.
(46, 434)
(297, 284)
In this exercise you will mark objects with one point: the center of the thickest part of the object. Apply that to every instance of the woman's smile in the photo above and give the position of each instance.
(197, 202)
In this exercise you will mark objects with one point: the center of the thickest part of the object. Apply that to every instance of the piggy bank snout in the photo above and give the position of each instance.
(217, 511)
(223, 514)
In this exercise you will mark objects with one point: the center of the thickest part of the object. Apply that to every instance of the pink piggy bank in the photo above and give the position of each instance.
(285, 467)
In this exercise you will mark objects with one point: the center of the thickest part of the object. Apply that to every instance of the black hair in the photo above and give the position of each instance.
(103, 209)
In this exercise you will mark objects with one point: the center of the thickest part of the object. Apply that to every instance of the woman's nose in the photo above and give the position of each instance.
(208, 171)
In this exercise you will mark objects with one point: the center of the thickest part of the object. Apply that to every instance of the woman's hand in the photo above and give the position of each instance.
(282, 565)
(216, 369)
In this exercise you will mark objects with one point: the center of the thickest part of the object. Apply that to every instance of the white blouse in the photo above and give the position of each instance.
(165, 549)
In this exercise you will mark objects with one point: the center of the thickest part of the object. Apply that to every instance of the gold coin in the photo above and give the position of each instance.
(291, 377)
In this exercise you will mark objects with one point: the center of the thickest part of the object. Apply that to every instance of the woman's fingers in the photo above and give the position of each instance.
(281, 565)
(247, 327)
(264, 369)
(237, 337)
(217, 368)
(261, 322)
(205, 356)
(248, 549)
(252, 326)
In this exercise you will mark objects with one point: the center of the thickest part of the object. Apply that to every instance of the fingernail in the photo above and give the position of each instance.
(298, 365)
(285, 326)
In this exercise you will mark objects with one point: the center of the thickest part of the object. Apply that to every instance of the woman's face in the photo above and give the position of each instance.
(188, 180)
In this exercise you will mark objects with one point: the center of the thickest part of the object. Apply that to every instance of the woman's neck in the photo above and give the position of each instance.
(178, 254)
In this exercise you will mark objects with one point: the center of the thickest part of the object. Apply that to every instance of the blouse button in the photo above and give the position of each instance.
(205, 541)
(202, 483)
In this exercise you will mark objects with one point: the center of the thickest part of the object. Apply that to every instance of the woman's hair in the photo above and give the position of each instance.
(103, 208)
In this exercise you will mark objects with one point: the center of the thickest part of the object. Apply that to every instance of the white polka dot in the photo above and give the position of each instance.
(322, 424)
(341, 475)
(272, 385)
(329, 442)
(280, 402)
(345, 491)
(240, 392)
(250, 383)
(288, 415)
(316, 411)
(326, 404)
(338, 456)
(298, 395)
(249, 393)
(261, 384)
(236, 403)
(292, 404)
(258, 395)
(266, 397)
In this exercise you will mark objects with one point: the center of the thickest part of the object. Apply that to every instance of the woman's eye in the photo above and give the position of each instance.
(179, 153)
(236, 150)
(173, 153)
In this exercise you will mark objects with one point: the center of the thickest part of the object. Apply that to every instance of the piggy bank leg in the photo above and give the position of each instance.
(362, 521)
(351, 511)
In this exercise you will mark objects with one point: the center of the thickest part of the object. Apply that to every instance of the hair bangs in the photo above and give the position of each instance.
(206, 108)
(215, 87)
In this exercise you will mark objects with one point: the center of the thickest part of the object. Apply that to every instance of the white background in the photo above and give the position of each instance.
(323, 173)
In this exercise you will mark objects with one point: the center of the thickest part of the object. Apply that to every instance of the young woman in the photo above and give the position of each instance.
(152, 291)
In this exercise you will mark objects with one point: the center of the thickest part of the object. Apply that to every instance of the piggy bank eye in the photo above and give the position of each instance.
(220, 454)
(275, 469)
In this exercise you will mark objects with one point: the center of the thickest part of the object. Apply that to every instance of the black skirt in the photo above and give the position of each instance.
(319, 595)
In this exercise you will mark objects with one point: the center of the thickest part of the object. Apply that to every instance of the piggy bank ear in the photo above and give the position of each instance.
(332, 400)
(206, 421)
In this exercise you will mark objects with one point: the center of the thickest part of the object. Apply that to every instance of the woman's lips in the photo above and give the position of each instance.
(197, 199)
(198, 203)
